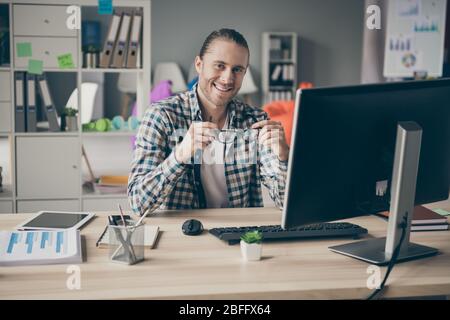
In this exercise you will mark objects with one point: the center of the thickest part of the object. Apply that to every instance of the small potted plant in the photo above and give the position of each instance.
(71, 118)
(251, 245)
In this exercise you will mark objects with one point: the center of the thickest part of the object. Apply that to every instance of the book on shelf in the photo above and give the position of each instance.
(277, 95)
(111, 185)
(283, 72)
(429, 227)
(276, 72)
(40, 247)
(275, 43)
(424, 219)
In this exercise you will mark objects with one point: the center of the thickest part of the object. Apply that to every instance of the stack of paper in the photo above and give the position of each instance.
(40, 247)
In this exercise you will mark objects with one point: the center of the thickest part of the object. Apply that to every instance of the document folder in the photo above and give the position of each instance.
(108, 48)
(31, 103)
(50, 110)
(134, 43)
(120, 51)
(20, 121)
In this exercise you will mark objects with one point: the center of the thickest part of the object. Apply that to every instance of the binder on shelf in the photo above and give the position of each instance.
(49, 107)
(138, 58)
(20, 119)
(31, 103)
(291, 72)
(120, 50)
(134, 43)
(108, 48)
(286, 72)
(277, 72)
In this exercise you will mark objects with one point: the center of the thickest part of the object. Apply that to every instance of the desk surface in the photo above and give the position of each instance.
(203, 267)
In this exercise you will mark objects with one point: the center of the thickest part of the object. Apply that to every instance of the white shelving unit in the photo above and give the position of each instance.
(98, 70)
(46, 167)
(279, 65)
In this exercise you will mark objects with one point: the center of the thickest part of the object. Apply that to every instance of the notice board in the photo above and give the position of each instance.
(415, 38)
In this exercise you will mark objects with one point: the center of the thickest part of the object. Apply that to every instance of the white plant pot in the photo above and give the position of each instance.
(72, 123)
(251, 252)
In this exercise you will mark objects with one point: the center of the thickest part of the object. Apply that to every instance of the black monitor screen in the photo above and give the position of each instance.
(344, 145)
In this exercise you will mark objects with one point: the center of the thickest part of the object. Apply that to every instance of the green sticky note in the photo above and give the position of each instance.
(35, 66)
(65, 61)
(23, 49)
(442, 212)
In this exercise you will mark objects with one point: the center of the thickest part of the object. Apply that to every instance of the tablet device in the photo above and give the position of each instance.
(55, 220)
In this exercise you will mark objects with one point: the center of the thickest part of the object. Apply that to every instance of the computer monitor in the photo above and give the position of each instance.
(343, 148)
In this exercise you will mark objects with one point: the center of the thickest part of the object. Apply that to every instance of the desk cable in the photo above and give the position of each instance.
(393, 261)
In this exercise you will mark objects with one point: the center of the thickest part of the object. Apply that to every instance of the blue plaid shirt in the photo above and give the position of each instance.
(158, 181)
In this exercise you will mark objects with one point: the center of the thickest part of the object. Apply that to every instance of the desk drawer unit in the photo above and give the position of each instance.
(108, 204)
(41, 20)
(48, 168)
(6, 206)
(27, 206)
(47, 49)
(5, 86)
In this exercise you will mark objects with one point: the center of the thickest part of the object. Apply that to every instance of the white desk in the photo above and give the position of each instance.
(204, 267)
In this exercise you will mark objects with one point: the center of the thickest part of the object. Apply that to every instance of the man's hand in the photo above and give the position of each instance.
(272, 135)
(199, 136)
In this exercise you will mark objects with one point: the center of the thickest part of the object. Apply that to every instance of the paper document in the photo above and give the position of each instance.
(39, 247)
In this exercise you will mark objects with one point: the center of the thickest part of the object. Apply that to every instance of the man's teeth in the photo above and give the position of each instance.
(221, 88)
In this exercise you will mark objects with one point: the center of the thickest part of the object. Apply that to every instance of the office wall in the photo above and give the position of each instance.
(330, 32)
(330, 36)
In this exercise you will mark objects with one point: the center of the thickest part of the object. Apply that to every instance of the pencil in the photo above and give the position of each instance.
(121, 215)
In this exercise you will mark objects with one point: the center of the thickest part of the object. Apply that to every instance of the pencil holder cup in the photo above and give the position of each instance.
(126, 243)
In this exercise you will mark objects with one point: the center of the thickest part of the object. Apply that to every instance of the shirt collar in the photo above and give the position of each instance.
(235, 108)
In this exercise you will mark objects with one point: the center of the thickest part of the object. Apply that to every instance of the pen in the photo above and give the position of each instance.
(101, 237)
(121, 215)
(112, 221)
(142, 218)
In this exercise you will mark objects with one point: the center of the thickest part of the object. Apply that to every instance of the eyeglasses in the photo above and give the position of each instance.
(228, 136)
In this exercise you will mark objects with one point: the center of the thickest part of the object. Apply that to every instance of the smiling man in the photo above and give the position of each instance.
(178, 137)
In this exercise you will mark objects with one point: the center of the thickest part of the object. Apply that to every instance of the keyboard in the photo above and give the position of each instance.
(336, 229)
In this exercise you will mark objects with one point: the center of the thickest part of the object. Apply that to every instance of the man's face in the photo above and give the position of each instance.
(221, 71)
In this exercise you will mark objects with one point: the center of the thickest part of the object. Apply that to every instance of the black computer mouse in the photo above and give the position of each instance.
(192, 227)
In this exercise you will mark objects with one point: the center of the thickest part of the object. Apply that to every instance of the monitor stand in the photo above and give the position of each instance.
(379, 251)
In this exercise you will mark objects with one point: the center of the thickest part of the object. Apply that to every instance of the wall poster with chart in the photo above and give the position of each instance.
(415, 38)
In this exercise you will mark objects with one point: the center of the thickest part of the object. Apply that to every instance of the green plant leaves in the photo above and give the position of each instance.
(252, 237)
